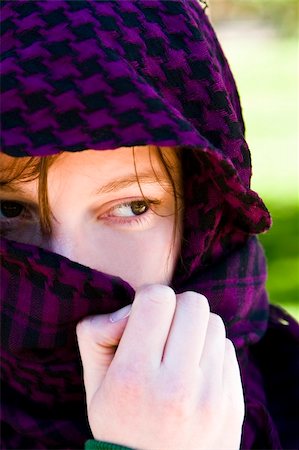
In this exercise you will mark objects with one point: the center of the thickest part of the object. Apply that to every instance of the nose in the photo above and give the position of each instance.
(65, 242)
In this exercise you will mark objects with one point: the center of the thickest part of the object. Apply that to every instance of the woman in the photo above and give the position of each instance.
(167, 203)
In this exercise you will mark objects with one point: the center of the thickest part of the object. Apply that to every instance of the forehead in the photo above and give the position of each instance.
(90, 161)
(125, 157)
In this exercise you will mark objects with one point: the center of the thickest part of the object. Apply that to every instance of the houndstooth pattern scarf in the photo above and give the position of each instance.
(93, 74)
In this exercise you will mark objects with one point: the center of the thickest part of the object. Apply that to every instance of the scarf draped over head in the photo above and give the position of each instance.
(102, 75)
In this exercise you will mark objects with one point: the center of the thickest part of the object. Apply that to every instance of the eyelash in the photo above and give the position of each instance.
(132, 220)
(28, 214)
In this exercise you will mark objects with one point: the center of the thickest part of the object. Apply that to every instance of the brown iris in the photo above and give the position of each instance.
(11, 209)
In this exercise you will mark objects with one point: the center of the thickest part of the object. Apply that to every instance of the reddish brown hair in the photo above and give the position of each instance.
(31, 168)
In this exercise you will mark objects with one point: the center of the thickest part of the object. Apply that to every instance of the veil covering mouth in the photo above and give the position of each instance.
(98, 75)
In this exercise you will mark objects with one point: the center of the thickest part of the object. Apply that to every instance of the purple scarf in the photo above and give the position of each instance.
(90, 74)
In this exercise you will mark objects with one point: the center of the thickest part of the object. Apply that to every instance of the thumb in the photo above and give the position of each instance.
(98, 337)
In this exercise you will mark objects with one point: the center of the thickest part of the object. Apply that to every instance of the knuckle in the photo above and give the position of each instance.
(127, 382)
(82, 328)
(156, 293)
(234, 389)
(235, 405)
(218, 325)
(79, 329)
(239, 407)
(230, 348)
(231, 354)
(177, 399)
(210, 405)
(88, 328)
(196, 303)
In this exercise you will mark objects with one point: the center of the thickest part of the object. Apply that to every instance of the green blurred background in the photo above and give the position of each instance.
(260, 40)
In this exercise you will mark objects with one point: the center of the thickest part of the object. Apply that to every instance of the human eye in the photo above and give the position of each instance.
(131, 212)
(14, 216)
(131, 209)
(11, 209)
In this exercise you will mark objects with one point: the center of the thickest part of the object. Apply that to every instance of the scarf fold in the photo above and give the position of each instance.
(45, 296)
(102, 75)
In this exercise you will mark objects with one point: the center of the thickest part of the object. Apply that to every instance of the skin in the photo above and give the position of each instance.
(89, 195)
(160, 373)
(173, 383)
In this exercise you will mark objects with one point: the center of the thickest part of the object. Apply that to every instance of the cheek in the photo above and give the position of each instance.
(144, 257)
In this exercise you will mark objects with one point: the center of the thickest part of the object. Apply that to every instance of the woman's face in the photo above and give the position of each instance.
(100, 218)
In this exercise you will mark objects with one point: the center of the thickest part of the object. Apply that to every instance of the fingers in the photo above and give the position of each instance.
(98, 337)
(195, 348)
(232, 396)
(173, 365)
(177, 333)
(144, 338)
(187, 335)
(232, 383)
(212, 357)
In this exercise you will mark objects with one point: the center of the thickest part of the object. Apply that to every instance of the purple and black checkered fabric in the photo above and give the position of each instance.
(101, 75)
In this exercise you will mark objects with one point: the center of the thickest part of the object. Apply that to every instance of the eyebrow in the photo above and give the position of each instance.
(116, 185)
(12, 187)
(143, 178)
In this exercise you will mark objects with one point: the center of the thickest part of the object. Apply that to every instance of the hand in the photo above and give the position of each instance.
(173, 382)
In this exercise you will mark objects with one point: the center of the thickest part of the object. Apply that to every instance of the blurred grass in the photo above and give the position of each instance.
(265, 67)
(282, 249)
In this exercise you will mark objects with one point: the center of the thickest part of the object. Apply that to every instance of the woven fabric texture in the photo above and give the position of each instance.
(101, 75)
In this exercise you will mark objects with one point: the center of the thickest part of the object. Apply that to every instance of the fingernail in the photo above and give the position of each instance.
(120, 314)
